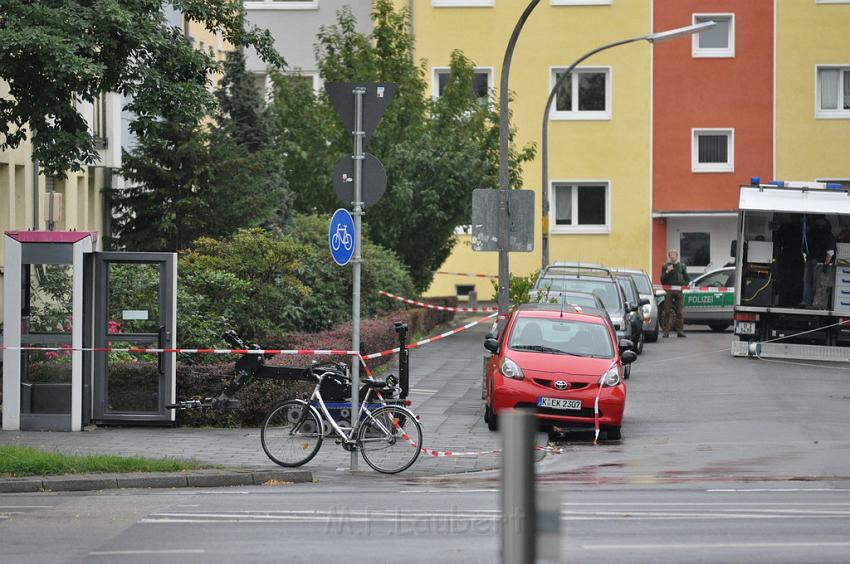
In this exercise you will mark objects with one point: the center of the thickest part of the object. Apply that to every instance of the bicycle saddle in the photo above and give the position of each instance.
(375, 384)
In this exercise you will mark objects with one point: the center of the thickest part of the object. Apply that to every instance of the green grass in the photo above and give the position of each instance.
(26, 461)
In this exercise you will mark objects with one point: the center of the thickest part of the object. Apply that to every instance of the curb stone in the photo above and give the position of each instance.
(204, 479)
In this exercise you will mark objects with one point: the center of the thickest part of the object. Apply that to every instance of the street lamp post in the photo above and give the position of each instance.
(544, 145)
(504, 169)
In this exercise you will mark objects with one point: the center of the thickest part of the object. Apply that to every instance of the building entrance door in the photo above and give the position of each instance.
(135, 307)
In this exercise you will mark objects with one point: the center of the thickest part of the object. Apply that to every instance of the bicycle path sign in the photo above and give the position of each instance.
(341, 236)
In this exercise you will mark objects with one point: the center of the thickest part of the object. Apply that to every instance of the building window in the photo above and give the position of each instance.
(586, 94)
(99, 122)
(463, 290)
(282, 4)
(580, 207)
(833, 92)
(463, 3)
(695, 248)
(482, 82)
(713, 150)
(718, 41)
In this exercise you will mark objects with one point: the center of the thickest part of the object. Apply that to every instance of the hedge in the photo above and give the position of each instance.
(260, 396)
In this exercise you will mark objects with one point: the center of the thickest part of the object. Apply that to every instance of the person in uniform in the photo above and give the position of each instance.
(674, 273)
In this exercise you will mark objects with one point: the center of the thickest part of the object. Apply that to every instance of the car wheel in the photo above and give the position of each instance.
(627, 371)
(719, 327)
(490, 418)
(653, 335)
(639, 345)
(613, 433)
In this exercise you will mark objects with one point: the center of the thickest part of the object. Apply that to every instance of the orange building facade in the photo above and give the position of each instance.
(712, 125)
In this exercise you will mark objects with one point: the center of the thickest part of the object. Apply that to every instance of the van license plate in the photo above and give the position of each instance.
(745, 328)
(557, 403)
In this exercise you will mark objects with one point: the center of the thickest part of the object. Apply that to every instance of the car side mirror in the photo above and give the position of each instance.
(643, 301)
(628, 357)
(625, 344)
(489, 336)
(491, 345)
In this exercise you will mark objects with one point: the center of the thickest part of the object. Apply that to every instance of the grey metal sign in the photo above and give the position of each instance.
(485, 220)
(374, 180)
(377, 96)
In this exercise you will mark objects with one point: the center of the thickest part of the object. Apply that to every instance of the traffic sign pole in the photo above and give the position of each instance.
(358, 157)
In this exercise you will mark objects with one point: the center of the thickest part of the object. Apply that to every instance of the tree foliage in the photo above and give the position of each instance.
(57, 53)
(435, 151)
(191, 179)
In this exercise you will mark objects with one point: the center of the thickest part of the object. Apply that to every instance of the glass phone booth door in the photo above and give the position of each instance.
(135, 307)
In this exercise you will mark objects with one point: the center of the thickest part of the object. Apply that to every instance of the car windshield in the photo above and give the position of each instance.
(628, 289)
(603, 288)
(561, 336)
(642, 282)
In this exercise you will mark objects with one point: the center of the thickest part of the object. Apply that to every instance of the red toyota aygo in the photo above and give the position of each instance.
(556, 360)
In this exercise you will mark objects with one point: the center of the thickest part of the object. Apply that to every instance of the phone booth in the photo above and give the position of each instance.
(62, 295)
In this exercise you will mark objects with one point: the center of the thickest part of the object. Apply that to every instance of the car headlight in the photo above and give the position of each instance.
(610, 378)
(646, 310)
(510, 369)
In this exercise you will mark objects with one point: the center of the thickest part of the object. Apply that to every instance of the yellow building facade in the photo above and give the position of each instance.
(812, 122)
(599, 149)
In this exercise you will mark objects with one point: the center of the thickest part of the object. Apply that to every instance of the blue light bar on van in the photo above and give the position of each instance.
(833, 186)
(755, 181)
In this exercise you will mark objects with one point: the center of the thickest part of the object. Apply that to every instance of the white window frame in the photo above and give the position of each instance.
(435, 83)
(273, 5)
(705, 53)
(576, 115)
(728, 166)
(580, 2)
(463, 3)
(832, 1)
(555, 229)
(831, 114)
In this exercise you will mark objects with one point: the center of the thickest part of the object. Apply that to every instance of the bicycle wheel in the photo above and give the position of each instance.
(289, 437)
(390, 439)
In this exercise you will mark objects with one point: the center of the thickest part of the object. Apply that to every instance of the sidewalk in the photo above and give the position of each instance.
(445, 389)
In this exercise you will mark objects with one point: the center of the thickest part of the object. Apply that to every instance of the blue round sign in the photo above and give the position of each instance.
(341, 237)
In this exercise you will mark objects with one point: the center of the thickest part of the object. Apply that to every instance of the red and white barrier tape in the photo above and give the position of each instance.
(455, 454)
(470, 274)
(710, 289)
(437, 307)
(292, 352)
(136, 350)
(454, 331)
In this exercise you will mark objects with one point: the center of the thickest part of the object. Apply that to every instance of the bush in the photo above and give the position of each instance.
(329, 301)
(260, 396)
(519, 288)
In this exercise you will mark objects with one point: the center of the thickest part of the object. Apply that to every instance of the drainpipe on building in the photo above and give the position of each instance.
(35, 194)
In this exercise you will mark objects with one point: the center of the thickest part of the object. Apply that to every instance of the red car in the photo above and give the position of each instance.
(556, 360)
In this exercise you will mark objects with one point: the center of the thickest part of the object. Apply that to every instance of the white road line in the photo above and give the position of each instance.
(4, 507)
(761, 545)
(703, 503)
(146, 552)
(758, 490)
(423, 391)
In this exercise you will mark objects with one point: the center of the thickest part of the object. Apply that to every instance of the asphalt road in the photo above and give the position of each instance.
(722, 460)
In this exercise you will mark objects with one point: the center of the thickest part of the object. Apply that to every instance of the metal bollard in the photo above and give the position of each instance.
(518, 489)
(473, 299)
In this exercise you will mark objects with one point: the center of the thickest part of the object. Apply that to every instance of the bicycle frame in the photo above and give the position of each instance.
(343, 432)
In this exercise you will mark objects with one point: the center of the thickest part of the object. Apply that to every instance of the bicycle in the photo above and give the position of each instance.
(389, 436)
(341, 238)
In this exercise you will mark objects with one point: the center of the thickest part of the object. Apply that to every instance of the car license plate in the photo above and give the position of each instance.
(557, 403)
(745, 328)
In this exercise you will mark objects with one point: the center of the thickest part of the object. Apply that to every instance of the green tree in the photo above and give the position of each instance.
(58, 52)
(190, 180)
(242, 108)
(435, 151)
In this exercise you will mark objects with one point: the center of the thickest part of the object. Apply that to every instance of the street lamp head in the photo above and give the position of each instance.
(680, 31)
